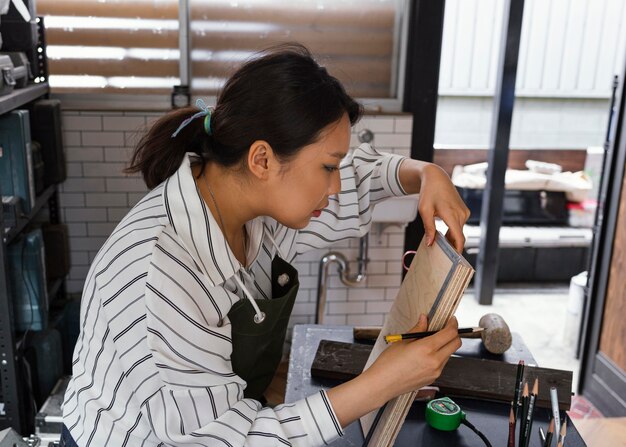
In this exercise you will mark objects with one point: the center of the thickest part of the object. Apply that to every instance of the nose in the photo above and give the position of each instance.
(335, 183)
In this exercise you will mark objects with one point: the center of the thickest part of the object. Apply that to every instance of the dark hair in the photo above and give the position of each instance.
(282, 96)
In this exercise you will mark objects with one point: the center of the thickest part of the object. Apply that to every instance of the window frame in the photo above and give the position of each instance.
(157, 102)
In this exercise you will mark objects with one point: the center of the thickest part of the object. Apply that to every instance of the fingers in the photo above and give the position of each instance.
(445, 335)
(422, 324)
(428, 218)
(455, 236)
(450, 344)
(440, 198)
(454, 342)
(449, 348)
(455, 222)
(444, 340)
(418, 362)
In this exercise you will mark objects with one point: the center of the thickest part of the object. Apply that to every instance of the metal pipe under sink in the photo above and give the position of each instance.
(346, 277)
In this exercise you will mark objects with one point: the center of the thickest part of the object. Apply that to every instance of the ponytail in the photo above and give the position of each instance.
(158, 155)
(282, 96)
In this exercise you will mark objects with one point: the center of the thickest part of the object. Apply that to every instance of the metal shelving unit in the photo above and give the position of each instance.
(13, 401)
(22, 96)
(13, 232)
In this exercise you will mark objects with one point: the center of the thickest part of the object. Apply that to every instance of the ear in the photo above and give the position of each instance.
(261, 159)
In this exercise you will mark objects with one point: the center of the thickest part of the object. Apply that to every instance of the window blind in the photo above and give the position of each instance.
(131, 46)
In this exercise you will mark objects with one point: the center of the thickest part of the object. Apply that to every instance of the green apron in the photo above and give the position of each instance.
(258, 347)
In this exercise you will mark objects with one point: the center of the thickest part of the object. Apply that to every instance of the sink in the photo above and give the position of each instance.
(396, 210)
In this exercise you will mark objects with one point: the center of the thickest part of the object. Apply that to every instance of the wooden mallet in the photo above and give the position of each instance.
(496, 337)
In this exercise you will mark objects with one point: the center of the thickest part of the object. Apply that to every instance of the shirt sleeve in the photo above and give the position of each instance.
(200, 401)
(367, 177)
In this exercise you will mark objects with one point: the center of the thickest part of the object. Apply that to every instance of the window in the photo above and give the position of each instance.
(132, 46)
(111, 46)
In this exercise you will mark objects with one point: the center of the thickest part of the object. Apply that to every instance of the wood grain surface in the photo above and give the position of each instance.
(433, 286)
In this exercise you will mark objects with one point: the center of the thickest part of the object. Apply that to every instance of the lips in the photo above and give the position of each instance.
(316, 213)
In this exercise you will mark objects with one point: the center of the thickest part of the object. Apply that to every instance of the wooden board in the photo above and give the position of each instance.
(602, 432)
(462, 376)
(613, 332)
(433, 286)
(340, 361)
(493, 380)
(335, 354)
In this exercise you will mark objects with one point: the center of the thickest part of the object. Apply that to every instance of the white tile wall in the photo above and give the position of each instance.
(86, 200)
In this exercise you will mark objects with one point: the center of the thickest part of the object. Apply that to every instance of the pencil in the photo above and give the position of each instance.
(518, 386)
(562, 435)
(511, 428)
(554, 403)
(529, 416)
(414, 335)
(548, 441)
(522, 426)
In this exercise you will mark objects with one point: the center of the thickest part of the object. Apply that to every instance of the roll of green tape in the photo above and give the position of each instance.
(444, 414)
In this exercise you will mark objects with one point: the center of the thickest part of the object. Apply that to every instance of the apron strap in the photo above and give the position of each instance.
(259, 316)
(278, 250)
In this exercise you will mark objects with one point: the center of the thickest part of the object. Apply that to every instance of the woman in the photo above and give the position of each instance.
(186, 305)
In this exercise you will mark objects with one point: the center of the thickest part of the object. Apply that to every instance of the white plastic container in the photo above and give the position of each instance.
(573, 316)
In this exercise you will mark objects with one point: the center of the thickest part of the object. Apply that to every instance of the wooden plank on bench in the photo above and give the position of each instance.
(462, 376)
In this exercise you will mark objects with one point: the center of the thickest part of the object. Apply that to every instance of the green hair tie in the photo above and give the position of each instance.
(207, 123)
(204, 111)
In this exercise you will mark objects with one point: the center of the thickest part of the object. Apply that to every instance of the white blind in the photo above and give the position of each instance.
(568, 48)
(132, 45)
(112, 45)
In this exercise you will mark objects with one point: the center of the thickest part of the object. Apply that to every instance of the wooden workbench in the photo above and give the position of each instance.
(489, 417)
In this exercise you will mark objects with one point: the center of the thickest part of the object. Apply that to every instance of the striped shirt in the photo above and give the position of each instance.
(152, 363)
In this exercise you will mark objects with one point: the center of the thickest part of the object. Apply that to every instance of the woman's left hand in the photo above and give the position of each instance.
(438, 198)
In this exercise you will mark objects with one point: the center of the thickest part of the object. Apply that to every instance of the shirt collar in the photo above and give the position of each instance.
(199, 231)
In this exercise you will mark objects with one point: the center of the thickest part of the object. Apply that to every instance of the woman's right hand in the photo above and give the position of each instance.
(411, 364)
(404, 366)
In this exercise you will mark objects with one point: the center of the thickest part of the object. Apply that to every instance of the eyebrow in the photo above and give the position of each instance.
(338, 155)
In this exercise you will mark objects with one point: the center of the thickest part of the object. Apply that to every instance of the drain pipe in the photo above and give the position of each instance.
(346, 277)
